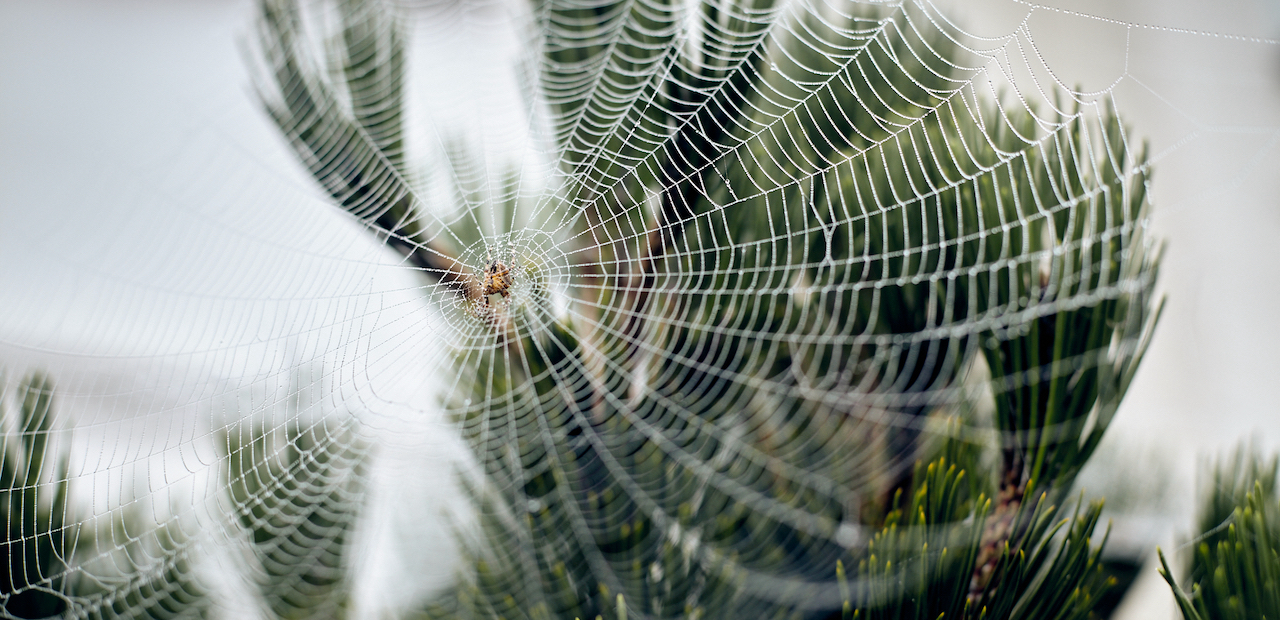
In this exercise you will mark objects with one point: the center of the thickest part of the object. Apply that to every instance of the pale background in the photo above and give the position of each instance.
(165, 258)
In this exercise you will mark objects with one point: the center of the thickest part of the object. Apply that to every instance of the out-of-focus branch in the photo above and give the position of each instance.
(348, 134)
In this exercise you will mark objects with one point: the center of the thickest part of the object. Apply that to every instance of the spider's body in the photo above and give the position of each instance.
(497, 279)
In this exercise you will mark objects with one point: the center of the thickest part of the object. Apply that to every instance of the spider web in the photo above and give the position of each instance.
(762, 258)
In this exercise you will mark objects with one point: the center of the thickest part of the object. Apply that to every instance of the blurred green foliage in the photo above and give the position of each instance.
(298, 491)
(1235, 569)
(33, 503)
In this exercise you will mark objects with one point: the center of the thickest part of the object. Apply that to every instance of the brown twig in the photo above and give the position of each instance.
(434, 261)
(1000, 528)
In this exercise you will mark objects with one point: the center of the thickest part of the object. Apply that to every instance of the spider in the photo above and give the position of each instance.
(496, 281)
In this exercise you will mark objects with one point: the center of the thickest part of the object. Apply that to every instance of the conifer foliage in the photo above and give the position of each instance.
(1235, 569)
(33, 503)
(791, 239)
(808, 323)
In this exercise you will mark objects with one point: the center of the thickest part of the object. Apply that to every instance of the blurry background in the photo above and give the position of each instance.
(167, 261)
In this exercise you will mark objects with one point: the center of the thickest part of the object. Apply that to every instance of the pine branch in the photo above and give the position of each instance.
(1235, 571)
(154, 575)
(354, 150)
(919, 565)
(38, 541)
(300, 495)
(840, 235)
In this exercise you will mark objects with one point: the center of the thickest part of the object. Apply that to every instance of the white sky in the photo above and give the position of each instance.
(164, 256)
